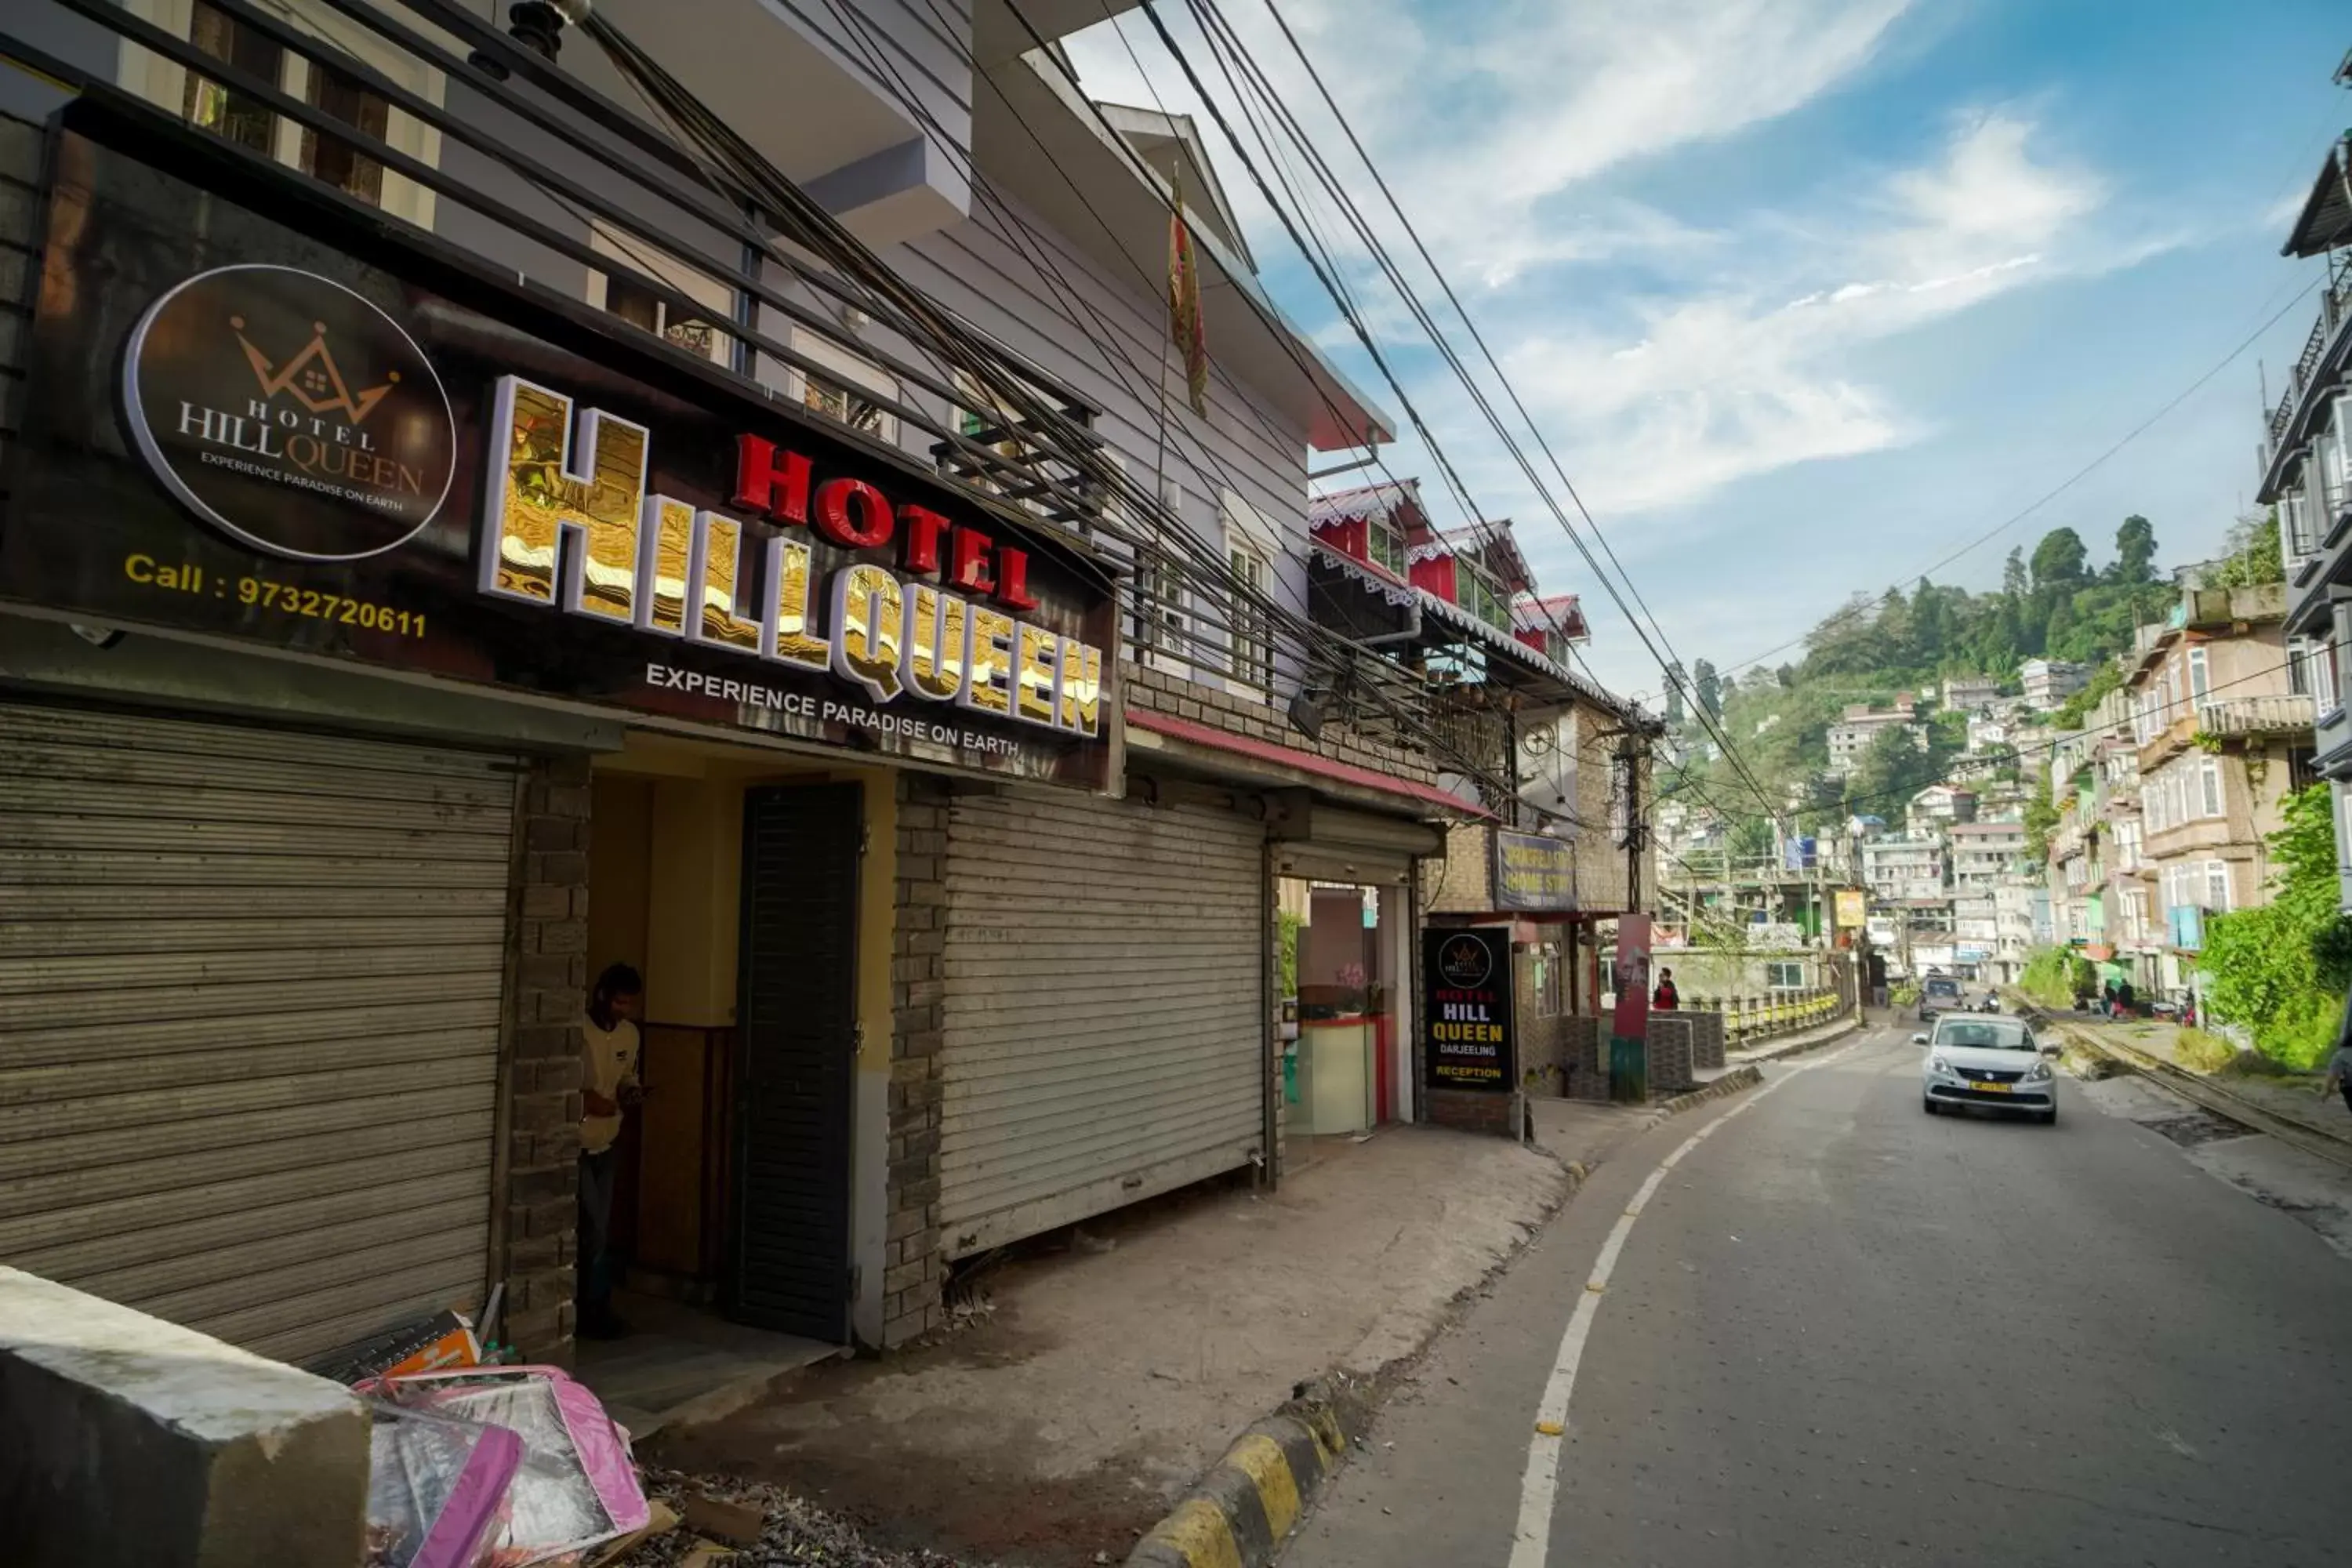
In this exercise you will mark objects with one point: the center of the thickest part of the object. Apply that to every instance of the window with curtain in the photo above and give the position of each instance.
(2209, 784)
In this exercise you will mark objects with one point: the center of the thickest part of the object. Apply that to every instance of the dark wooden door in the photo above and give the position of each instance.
(796, 1060)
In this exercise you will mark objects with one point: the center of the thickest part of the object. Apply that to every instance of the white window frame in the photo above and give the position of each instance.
(1249, 632)
(1471, 581)
(2328, 473)
(2211, 797)
(1160, 615)
(1378, 527)
(2199, 674)
(2295, 516)
(2217, 877)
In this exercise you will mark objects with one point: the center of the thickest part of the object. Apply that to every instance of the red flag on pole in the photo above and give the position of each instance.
(1184, 306)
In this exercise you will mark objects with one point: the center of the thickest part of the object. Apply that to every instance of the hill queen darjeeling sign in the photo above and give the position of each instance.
(1467, 1009)
(236, 428)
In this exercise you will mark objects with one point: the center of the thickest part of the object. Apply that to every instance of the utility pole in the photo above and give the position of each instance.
(1628, 753)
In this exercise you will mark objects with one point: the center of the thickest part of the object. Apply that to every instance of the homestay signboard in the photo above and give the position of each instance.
(240, 429)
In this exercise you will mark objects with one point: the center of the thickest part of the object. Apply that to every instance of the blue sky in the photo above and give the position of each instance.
(1806, 293)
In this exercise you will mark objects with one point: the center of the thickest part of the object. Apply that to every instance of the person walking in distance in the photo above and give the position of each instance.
(2339, 1072)
(608, 1088)
(1665, 998)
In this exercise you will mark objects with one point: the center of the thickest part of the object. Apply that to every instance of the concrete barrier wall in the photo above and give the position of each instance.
(128, 1442)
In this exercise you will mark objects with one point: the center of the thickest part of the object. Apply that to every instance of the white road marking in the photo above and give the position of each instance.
(1540, 1485)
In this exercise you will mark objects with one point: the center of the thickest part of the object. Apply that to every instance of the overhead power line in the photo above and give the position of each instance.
(1849, 612)
(1325, 278)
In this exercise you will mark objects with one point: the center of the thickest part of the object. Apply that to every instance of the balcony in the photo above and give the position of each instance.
(2249, 718)
(2229, 719)
(2322, 358)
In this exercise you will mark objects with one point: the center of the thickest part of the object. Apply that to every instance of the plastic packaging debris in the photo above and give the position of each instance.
(436, 1343)
(576, 1486)
(436, 1488)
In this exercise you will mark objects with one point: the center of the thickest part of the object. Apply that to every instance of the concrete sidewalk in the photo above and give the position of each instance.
(2291, 1097)
(1095, 1383)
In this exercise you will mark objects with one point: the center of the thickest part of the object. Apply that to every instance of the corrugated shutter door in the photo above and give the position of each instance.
(249, 997)
(1104, 1027)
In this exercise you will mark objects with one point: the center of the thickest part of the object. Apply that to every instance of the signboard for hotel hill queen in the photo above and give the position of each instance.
(1467, 1034)
(252, 425)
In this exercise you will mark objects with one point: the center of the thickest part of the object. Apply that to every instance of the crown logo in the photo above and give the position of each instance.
(311, 377)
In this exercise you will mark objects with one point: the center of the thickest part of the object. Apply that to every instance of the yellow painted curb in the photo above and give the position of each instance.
(1261, 1459)
(1199, 1532)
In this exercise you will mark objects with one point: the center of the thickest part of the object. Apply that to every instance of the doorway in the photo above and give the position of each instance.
(1346, 1069)
(796, 1048)
(731, 878)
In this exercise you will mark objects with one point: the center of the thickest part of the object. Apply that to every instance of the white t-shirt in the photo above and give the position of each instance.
(608, 1058)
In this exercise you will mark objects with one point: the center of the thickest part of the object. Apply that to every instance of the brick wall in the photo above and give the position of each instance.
(1670, 1055)
(1464, 878)
(1583, 1046)
(547, 987)
(1160, 692)
(1475, 1110)
(914, 1269)
(1705, 1036)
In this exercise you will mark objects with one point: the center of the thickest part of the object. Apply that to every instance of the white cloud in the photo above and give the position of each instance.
(1480, 122)
(1743, 378)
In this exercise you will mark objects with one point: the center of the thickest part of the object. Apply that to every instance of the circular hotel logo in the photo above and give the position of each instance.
(1465, 962)
(290, 413)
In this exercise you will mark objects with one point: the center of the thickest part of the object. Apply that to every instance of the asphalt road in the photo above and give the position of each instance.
(1841, 1332)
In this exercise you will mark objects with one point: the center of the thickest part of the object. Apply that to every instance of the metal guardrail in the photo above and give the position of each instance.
(2198, 1090)
(1749, 1019)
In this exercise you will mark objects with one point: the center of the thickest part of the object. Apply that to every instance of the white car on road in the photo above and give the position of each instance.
(1986, 1060)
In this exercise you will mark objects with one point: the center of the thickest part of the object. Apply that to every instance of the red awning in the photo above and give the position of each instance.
(1305, 761)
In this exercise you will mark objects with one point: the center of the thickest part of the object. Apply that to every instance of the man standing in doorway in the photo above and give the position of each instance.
(608, 1084)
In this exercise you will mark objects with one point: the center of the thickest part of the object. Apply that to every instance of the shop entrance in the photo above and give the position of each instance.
(1347, 1065)
(732, 879)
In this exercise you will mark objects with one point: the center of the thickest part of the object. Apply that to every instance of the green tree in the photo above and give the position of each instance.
(2254, 557)
(1709, 689)
(2041, 821)
(2014, 584)
(1892, 770)
(2135, 551)
(2059, 560)
(2281, 969)
(1675, 676)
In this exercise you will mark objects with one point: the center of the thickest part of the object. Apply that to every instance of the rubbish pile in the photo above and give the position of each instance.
(744, 1524)
(477, 1463)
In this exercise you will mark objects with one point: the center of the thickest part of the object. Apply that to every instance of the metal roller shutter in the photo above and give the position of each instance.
(249, 999)
(1104, 1015)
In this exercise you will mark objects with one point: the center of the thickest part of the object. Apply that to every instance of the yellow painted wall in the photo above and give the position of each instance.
(620, 845)
(667, 840)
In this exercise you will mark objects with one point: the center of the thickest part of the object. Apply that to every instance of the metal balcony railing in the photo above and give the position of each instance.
(2334, 311)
